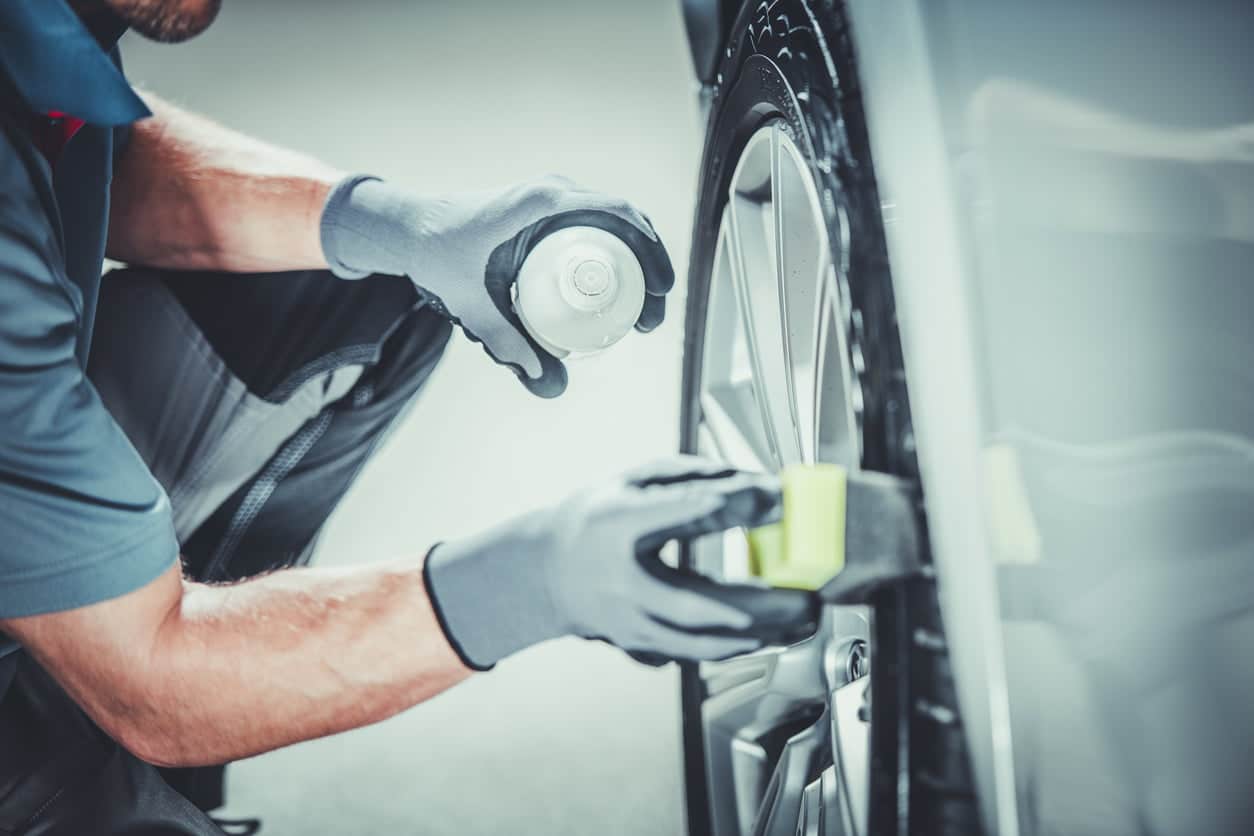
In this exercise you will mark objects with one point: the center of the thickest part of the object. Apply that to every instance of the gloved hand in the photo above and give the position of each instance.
(590, 567)
(463, 252)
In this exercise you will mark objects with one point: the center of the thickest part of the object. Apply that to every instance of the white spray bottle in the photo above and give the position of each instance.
(580, 290)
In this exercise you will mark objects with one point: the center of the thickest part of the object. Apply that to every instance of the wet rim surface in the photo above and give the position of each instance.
(785, 742)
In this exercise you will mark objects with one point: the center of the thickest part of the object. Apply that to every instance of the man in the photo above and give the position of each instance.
(217, 398)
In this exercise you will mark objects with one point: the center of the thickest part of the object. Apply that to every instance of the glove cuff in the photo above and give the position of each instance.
(491, 596)
(443, 620)
(352, 221)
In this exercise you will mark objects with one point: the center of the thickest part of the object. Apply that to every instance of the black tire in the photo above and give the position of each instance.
(774, 53)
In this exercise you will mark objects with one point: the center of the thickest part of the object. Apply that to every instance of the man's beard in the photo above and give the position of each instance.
(166, 21)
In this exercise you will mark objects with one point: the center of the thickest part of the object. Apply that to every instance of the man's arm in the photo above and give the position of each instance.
(190, 194)
(186, 674)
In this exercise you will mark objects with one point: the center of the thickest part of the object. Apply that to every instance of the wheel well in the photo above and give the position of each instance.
(708, 24)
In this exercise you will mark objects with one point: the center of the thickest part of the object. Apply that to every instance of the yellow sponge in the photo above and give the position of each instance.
(806, 548)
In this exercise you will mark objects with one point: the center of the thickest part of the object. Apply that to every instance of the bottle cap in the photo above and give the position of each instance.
(580, 289)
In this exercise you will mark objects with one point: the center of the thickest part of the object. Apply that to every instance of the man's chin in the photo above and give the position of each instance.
(167, 21)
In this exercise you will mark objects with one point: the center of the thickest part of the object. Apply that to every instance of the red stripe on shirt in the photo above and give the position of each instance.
(52, 132)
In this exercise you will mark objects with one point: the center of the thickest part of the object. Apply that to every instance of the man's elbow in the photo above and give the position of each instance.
(151, 714)
(133, 722)
(151, 740)
(117, 660)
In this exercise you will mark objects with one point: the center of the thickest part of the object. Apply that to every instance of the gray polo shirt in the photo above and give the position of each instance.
(81, 518)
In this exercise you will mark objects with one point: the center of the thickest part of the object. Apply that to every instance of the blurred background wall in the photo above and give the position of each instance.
(569, 737)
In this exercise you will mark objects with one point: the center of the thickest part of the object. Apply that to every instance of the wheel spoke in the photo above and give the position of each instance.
(730, 400)
(812, 813)
(744, 713)
(803, 260)
(851, 739)
(723, 676)
(834, 818)
(782, 812)
(755, 264)
(847, 627)
(837, 400)
(759, 301)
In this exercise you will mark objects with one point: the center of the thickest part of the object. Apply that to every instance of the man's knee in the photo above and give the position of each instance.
(275, 333)
(289, 382)
(273, 519)
(407, 358)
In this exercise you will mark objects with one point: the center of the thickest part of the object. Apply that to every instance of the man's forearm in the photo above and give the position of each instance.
(190, 194)
(292, 656)
(233, 671)
(295, 655)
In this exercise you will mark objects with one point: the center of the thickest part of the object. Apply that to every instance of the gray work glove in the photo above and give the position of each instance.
(590, 567)
(463, 252)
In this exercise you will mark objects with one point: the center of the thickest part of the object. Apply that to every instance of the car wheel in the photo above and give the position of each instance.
(792, 355)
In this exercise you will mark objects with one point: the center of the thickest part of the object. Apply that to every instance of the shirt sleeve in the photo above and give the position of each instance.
(81, 518)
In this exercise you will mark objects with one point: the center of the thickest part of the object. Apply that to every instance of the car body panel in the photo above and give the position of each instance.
(1068, 193)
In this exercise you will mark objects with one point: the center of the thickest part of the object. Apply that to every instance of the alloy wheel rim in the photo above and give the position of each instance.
(786, 732)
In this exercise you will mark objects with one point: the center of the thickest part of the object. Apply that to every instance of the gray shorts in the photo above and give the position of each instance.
(255, 399)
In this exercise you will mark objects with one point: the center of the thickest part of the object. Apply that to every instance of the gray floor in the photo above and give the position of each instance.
(569, 737)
